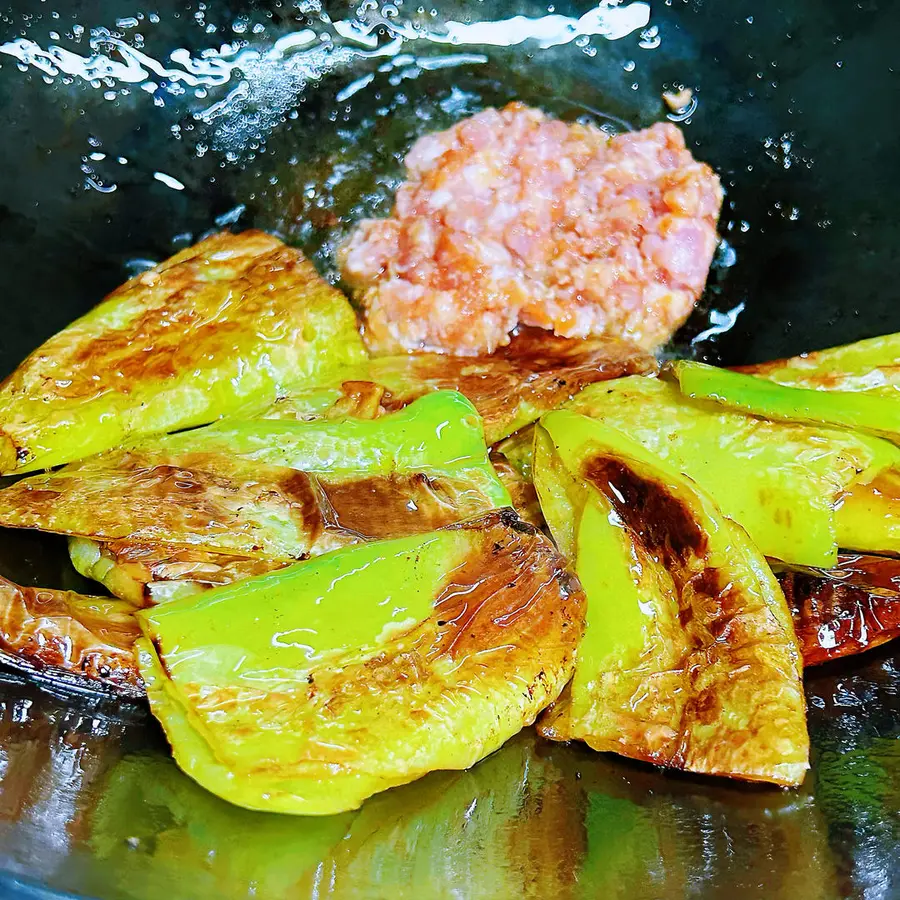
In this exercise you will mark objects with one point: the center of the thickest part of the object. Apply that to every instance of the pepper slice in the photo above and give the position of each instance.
(511, 388)
(232, 321)
(268, 490)
(871, 413)
(689, 659)
(845, 610)
(308, 689)
(871, 366)
(73, 639)
(796, 489)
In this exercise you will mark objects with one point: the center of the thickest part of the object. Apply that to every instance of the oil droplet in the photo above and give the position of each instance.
(168, 181)
(650, 38)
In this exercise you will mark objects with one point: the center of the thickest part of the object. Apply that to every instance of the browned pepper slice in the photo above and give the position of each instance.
(83, 641)
(843, 611)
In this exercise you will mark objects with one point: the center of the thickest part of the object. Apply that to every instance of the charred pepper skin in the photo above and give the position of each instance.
(689, 658)
(794, 487)
(219, 501)
(308, 689)
(233, 321)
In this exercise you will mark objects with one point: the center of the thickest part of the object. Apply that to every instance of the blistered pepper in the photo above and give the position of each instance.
(689, 658)
(511, 388)
(871, 366)
(236, 320)
(308, 689)
(795, 488)
(195, 505)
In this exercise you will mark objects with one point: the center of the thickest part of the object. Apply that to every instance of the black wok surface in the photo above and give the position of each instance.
(105, 171)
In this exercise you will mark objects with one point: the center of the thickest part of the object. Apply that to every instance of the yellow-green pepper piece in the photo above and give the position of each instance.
(872, 414)
(70, 638)
(689, 658)
(783, 482)
(511, 388)
(871, 366)
(311, 688)
(868, 517)
(232, 321)
(273, 490)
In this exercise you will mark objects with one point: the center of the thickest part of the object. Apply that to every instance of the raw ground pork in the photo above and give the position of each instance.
(513, 217)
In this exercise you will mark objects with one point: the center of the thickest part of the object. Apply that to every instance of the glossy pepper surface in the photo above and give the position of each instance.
(232, 321)
(70, 638)
(272, 490)
(789, 485)
(871, 366)
(308, 689)
(871, 413)
(511, 388)
(689, 658)
(845, 610)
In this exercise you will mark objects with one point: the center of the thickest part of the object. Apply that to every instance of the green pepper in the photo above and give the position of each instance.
(270, 490)
(868, 516)
(870, 413)
(308, 689)
(871, 366)
(689, 658)
(232, 321)
(146, 574)
(789, 485)
(510, 389)
(69, 637)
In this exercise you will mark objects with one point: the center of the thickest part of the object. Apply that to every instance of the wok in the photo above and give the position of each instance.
(116, 151)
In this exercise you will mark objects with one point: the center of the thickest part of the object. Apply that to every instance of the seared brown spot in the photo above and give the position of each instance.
(221, 502)
(482, 602)
(89, 638)
(196, 308)
(38, 496)
(390, 506)
(360, 399)
(537, 368)
(704, 707)
(846, 610)
(718, 652)
(301, 492)
(355, 710)
(663, 523)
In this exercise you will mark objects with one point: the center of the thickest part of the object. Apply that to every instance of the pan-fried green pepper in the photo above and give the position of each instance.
(308, 689)
(70, 638)
(871, 413)
(146, 574)
(868, 517)
(689, 658)
(259, 488)
(782, 482)
(265, 490)
(510, 389)
(232, 321)
(871, 366)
